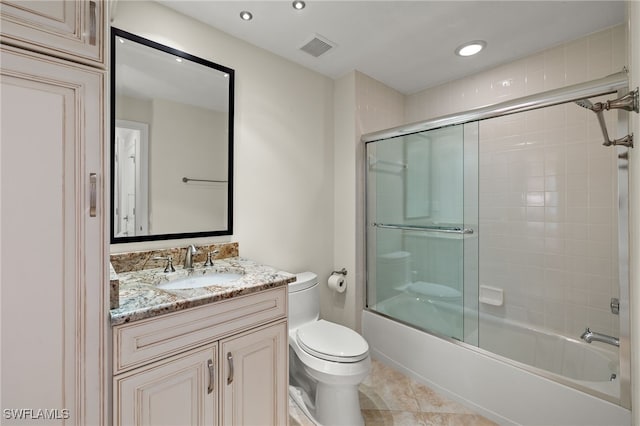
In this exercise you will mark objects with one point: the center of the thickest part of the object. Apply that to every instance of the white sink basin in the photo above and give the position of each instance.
(200, 281)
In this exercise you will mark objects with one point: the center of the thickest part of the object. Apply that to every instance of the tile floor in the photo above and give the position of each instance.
(387, 397)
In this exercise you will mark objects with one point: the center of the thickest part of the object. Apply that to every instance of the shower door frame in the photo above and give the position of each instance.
(613, 84)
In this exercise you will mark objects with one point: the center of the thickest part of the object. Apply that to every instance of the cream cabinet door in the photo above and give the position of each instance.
(179, 391)
(52, 254)
(254, 378)
(72, 29)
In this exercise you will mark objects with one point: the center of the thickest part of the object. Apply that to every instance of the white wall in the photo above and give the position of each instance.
(334, 305)
(133, 109)
(362, 104)
(284, 183)
(196, 148)
(377, 107)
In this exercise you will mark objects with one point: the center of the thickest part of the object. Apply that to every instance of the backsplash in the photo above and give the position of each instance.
(138, 260)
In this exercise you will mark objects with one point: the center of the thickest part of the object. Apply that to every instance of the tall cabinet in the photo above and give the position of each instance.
(53, 251)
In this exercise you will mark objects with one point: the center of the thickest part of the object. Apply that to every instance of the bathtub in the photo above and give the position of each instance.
(536, 378)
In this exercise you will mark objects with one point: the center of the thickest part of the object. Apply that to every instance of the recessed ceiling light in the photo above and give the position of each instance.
(471, 48)
(246, 15)
(298, 5)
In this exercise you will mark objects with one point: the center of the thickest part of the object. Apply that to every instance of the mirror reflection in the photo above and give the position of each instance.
(172, 143)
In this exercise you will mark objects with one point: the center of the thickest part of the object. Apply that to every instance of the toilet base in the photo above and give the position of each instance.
(338, 405)
(335, 405)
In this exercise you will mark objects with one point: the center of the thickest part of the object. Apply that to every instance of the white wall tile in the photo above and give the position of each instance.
(576, 61)
(600, 54)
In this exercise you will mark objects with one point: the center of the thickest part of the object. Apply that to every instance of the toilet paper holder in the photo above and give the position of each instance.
(342, 271)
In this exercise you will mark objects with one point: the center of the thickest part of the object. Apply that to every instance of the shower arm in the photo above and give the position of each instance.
(603, 126)
(628, 102)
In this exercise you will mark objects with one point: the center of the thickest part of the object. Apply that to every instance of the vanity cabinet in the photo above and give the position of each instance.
(224, 363)
(71, 29)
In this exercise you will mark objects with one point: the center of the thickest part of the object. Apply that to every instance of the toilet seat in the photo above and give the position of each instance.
(332, 342)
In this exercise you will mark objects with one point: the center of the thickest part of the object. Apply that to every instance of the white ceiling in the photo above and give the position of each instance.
(407, 45)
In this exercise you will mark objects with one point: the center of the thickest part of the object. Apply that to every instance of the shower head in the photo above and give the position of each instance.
(585, 103)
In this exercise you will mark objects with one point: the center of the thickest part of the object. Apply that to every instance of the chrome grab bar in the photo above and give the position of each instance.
(426, 228)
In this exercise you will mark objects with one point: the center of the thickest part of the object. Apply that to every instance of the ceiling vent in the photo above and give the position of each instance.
(317, 46)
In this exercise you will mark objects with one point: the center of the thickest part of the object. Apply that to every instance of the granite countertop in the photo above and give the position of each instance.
(140, 297)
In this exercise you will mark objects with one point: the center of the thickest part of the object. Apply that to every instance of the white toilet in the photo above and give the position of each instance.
(327, 361)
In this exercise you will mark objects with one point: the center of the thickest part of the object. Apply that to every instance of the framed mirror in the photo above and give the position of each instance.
(171, 142)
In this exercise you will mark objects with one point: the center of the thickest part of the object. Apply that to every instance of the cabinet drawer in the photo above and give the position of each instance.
(148, 340)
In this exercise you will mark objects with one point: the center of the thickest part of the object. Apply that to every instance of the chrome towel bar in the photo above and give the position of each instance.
(186, 179)
(426, 228)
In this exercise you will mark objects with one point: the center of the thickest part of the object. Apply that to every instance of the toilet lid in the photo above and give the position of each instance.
(332, 342)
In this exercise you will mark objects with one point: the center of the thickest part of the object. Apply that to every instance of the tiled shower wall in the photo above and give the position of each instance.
(547, 187)
(548, 219)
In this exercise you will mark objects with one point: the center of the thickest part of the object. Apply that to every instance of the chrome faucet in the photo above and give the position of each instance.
(188, 257)
(589, 336)
(209, 261)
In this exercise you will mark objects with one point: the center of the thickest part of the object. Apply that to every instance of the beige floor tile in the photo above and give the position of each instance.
(387, 389)
(392, 418)
(432, 402)
(452, 419)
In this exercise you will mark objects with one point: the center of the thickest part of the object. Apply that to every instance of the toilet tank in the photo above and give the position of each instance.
(304, 299)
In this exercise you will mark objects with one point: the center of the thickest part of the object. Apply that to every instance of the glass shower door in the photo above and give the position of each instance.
(421, 222)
